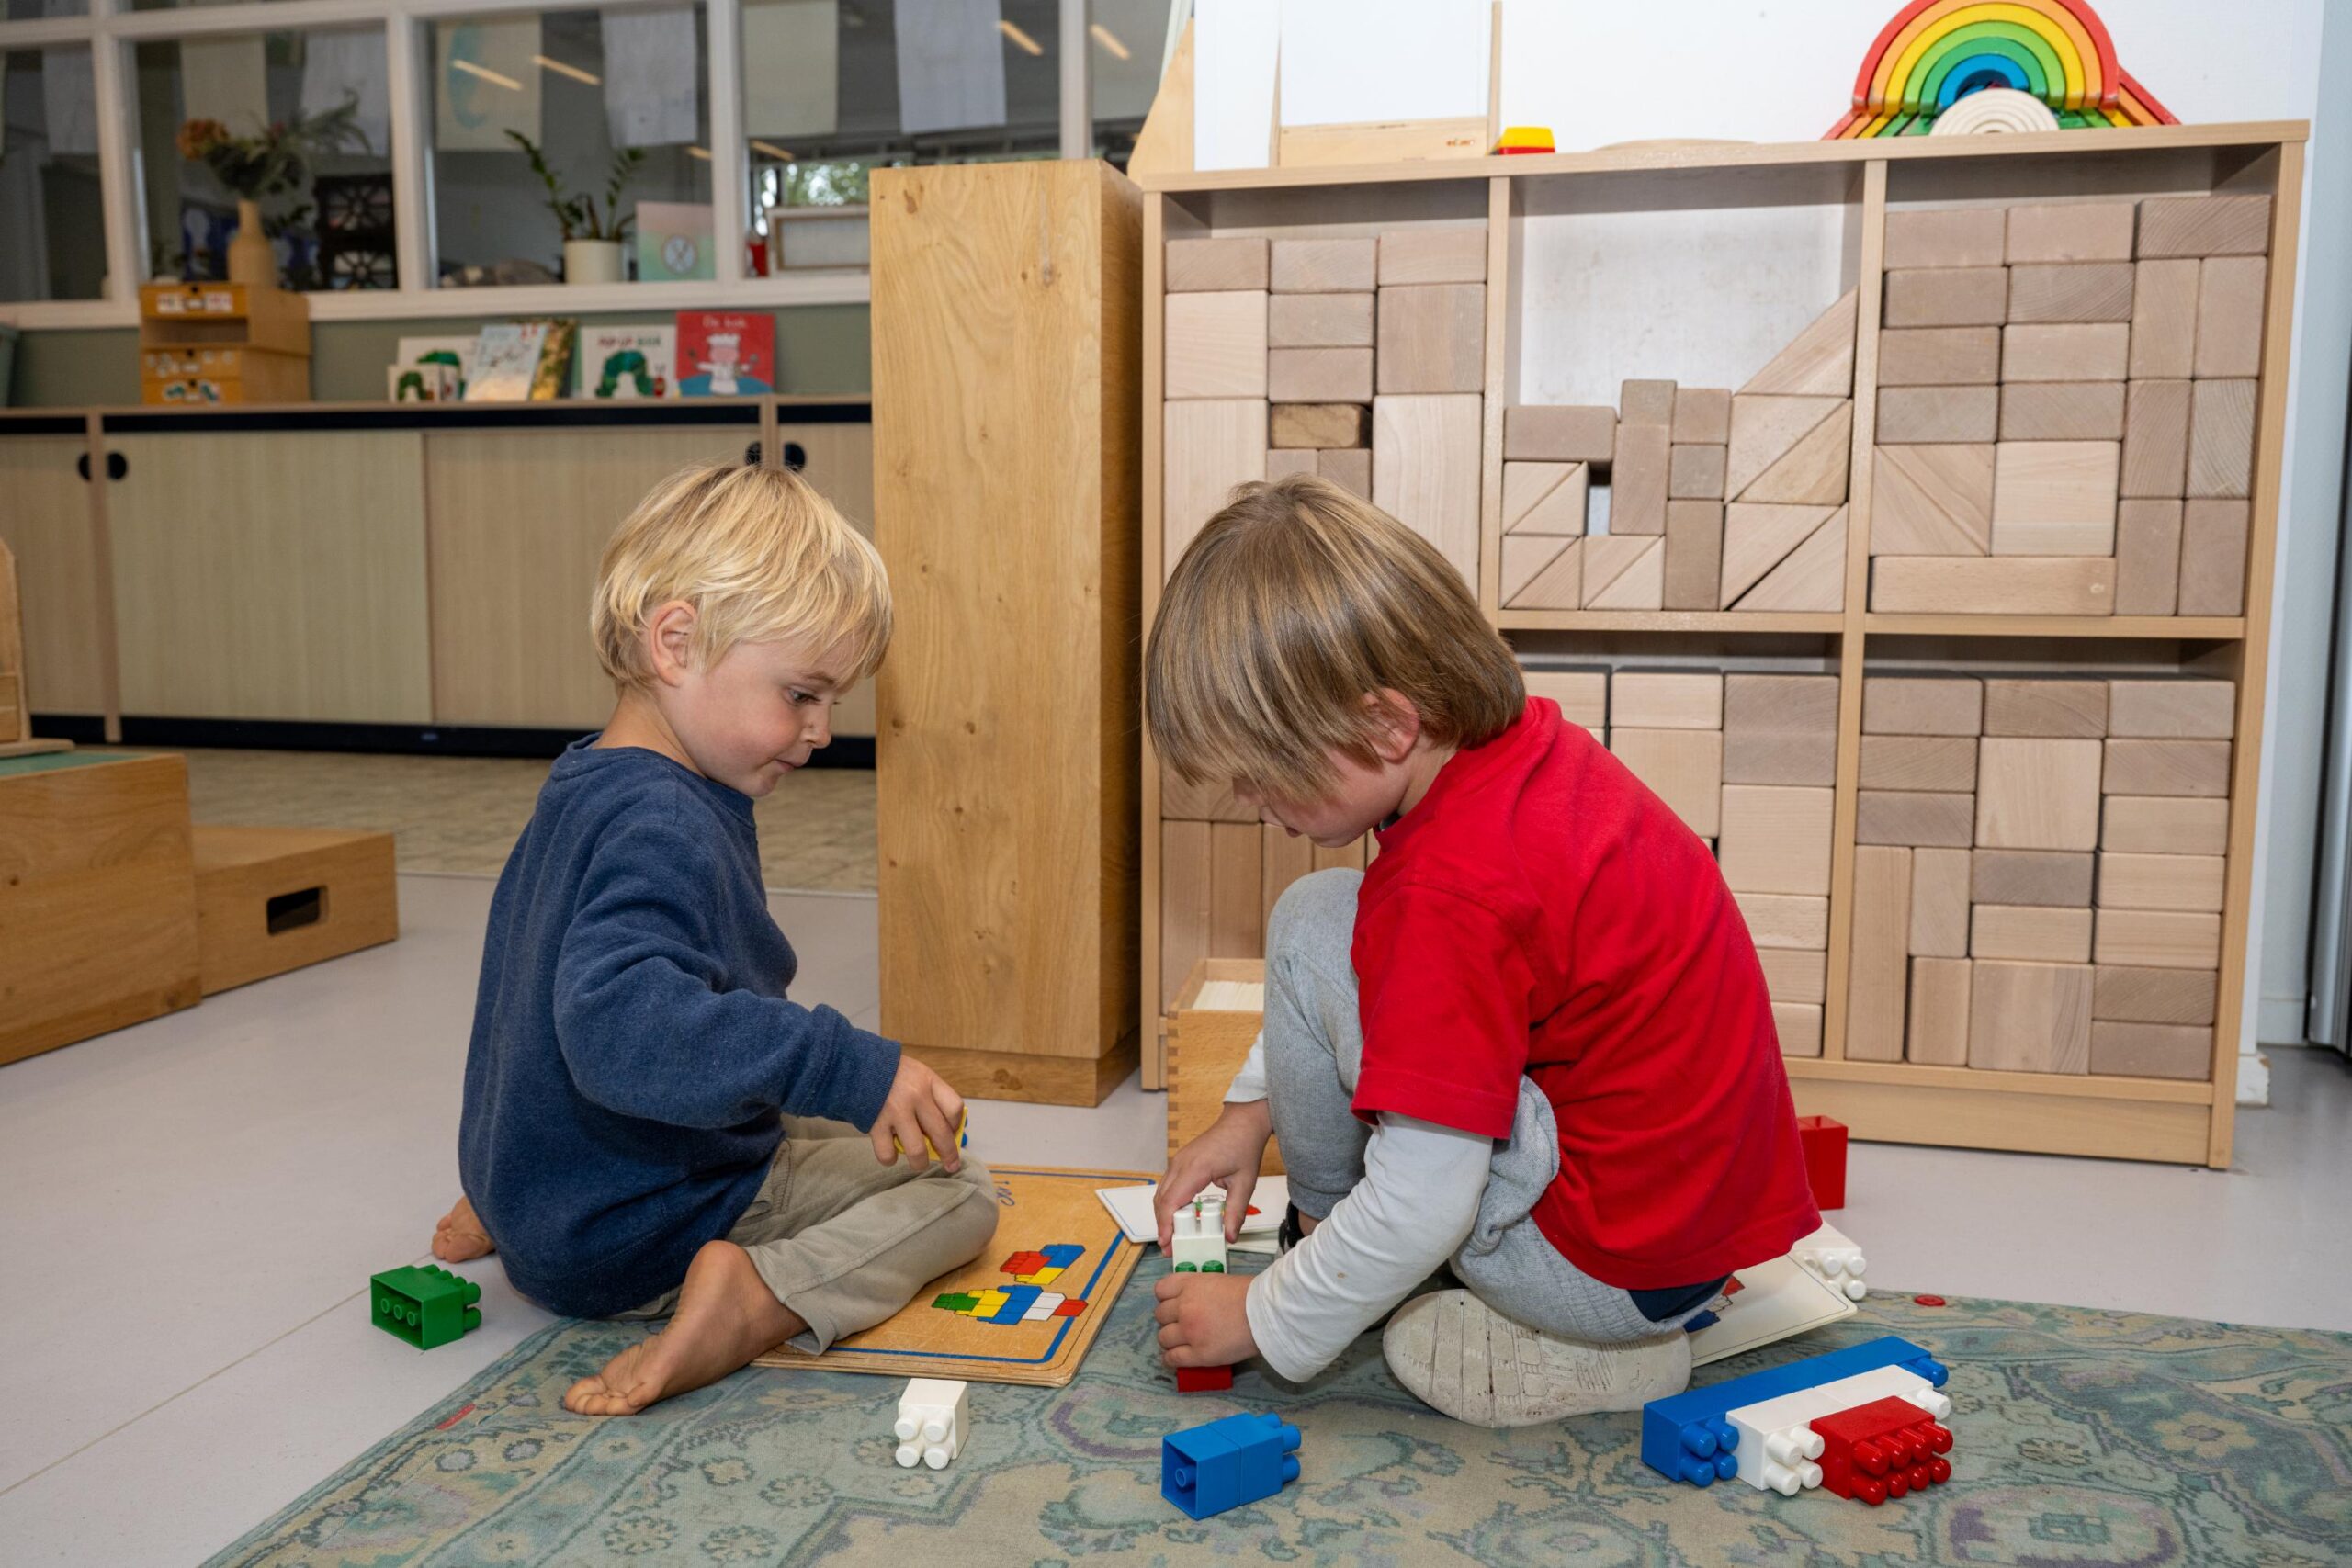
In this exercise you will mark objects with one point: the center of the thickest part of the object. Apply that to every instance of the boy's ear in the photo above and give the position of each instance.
(669, 639)
(1395, 724)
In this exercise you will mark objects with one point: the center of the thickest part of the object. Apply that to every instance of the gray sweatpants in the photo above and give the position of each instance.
(1314, 1047)
(843, 1239)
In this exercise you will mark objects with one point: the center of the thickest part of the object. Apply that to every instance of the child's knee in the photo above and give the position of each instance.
(974, 1215)
(1316, 917)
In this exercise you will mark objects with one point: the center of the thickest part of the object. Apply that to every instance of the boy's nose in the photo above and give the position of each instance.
(821, 730)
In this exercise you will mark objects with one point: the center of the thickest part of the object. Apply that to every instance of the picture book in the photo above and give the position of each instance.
(456, 352)
(627, 363)
(675, 241)
(506, 359)
(726, 353)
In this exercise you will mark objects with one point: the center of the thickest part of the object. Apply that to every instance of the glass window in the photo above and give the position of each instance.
(1126, 40)
(34, 10)
(305, 114)
(607, 101)
(51, 214)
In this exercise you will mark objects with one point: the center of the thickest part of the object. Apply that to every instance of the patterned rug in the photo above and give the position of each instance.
(2084, 1438)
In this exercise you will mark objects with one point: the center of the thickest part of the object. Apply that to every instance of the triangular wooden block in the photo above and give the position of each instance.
(1932, 501)
(1632, 569)
(1559, 512)
(1819, 363)
(1524, 556)
(1757, 539)
(1762, 431)
(1559, 586)
(1813, 471)
(1812, 578)
(1524, 484)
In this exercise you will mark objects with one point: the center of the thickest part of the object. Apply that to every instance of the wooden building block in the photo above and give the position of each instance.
(2156, 995)
(1946, 236)
(1319, 375)
(1215, 344)
(2147, 555)
(1425, 470)
(1325, 266)
(1702, 415)
(1923, 705)
(1939, 1023)
(1764, 429)
(2048, 709)
(1557, 583)
(2173, 709)
(1433, 255)
(1320, 321)
(1775, 838)
(1318, 425)
(1694, 551)
(1284, 461)
(1217, 265)
(1812, 579)
(1939, 356)
(1942, 762)
(1813, 471)
(1785, 921)
(1683, 767)
(1637, 480)
(1666, 699)
(1916, 819)
(2037, 795)
(1947, 297)
(1237, 878)
(1350, 468)
(2054, 498)
(2197, 768)
(1932, 500)
(1780, 729)
(1696, 473)
(2043, 879)
(1432, 338)
(2152, 1051)
(1582, 695)
(2192, 882)
(1912, 414)
(1757, 539)
(2205, 225)
(2229, 315)
(2164, 319)
(1560, 432)
(1545, 498)
(2180, 825)
(2061, 410)
(2070, 231)
(1878, 980)
(2220, 439)
(1818, 362)
(1939, 902)
(1798, 1025)
(2034, 933)
(1625, 572)
(2158, 939)
(2071, 291)
(1645, 403)
(1183, 904)
(2018, 586)
(2069, 351)
(1794, 974)
(2030, 1018)
(2155, 440)
(1208, 446)
(2212, 556)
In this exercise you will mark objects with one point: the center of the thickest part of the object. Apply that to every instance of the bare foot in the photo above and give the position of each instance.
(459, 1236)
(726, 1315)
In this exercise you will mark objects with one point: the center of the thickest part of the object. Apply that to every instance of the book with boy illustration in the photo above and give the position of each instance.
(726, 353)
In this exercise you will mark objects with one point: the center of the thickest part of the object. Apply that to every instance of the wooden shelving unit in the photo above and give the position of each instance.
(2167, 1120)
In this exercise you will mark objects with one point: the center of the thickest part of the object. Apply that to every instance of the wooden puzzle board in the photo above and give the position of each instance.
(1037, 1208)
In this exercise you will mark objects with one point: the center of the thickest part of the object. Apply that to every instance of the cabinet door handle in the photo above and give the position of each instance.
(116, 466)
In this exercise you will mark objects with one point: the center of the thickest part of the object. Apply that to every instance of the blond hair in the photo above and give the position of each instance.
(758, 554)
(1297, 601)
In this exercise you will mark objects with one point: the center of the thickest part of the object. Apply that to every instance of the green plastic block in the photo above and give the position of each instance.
(1210, 1268)
(960, 1301)
(424, 1306)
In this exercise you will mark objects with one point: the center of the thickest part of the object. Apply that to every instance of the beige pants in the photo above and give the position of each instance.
(843, 1239)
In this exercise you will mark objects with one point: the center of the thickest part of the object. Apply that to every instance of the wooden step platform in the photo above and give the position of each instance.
(271, 900)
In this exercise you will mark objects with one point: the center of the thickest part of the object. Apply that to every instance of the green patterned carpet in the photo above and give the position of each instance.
(2084, 1437)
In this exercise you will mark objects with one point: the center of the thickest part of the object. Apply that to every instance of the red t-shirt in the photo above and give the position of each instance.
(1541, 913)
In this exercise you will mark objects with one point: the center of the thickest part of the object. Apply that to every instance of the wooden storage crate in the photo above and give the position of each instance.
(1206, 1045)
(223, 342)
(230, 374)
(271, 900)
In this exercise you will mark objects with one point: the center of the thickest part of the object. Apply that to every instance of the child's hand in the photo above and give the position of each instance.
(1225, 1156)
(920, 1107)
(1203, 1320)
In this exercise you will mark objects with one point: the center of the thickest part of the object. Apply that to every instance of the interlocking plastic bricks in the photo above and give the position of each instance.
(1825, 1160)
(425, 1306)
(1882, 1449)
(1686, 1437)
(1224, 1464)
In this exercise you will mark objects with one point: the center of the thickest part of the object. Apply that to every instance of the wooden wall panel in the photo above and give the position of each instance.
(45, 518)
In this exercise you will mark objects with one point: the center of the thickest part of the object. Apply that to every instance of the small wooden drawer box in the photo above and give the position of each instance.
(227, 375)
(1210, 1031)
(271, 900)
(174, 315)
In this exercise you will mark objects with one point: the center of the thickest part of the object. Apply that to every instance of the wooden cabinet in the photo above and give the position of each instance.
(45, 519)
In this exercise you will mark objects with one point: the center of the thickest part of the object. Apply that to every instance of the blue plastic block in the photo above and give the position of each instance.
(1685, 1438)
(1062, 1254)
(1018, 1299)
(1208, 1468)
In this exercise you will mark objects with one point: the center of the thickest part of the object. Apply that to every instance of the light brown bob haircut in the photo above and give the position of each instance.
(1295, 604)
(760, 555)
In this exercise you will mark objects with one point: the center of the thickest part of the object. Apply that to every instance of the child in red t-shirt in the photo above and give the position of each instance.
(1531, 1042)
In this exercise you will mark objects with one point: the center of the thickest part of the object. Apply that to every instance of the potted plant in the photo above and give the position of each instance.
(271, 163)
(592, 242)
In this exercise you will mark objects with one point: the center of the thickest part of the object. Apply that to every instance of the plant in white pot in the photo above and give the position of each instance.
(591, 241)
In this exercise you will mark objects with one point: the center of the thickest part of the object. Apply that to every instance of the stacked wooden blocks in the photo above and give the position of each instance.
(2067, 407)
(1718, 500)
(1361, 358)
(2038, 873)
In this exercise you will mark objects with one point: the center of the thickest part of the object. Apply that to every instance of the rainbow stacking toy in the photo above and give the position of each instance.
(1937, 52)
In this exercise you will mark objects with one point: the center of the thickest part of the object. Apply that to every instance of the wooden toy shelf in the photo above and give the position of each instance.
(1552, 270)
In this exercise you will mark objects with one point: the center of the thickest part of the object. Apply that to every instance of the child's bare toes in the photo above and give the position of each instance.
(460, 1236)
(620, 1389)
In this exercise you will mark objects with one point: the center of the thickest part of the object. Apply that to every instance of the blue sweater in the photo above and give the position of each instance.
(632, 1046)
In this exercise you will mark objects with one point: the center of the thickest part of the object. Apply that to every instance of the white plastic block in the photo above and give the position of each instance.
(1042, 1308)
(1886, 1382)
(932, 1422)
(1778, 1444)
(1198, 1242)
(1832, 1254)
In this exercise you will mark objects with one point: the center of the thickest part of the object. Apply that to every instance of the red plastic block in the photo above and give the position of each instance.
(1203, 1380)
(1025, 1263)
(1885, 1448)
(1825, 1160)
